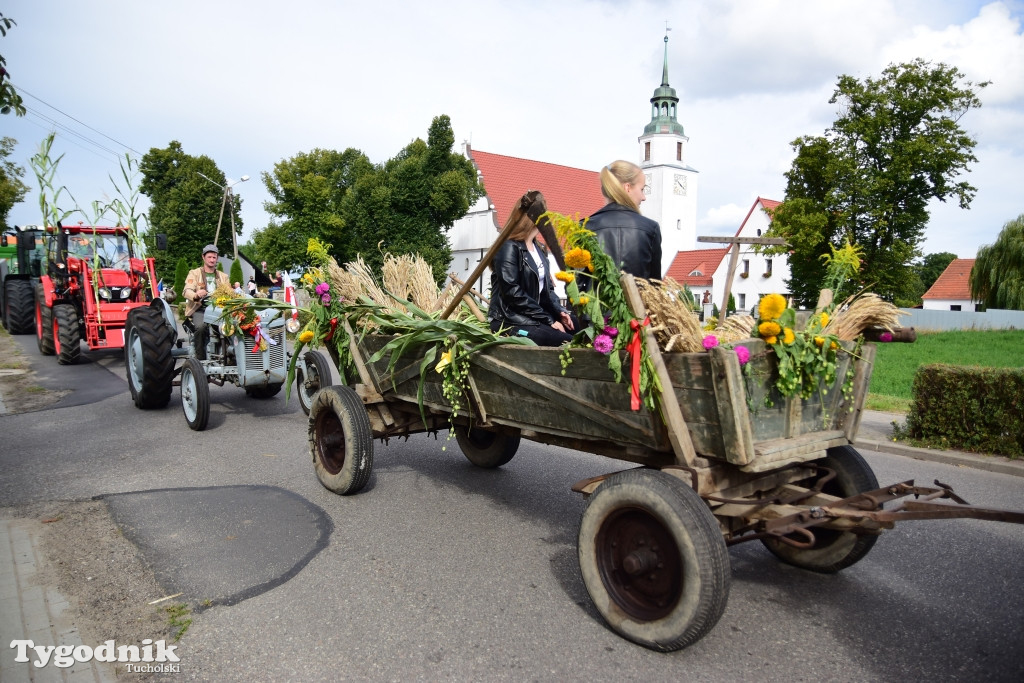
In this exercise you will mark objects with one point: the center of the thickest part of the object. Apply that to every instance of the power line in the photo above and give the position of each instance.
(56, 124)
(117, 142)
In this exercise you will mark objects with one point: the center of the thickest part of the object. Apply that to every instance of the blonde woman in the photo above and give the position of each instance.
(633, 241)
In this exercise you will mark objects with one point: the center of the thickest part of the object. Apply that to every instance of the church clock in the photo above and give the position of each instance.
(679, 186)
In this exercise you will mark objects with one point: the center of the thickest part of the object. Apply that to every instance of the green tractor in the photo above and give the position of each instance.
(21, 264)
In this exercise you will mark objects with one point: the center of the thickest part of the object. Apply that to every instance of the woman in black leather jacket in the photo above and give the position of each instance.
(523, 300)
(632, 240)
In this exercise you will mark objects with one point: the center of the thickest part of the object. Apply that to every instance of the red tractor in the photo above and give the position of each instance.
(92, 281)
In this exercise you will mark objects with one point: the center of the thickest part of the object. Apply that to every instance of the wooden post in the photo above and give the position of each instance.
(734, 247)
(484, 262)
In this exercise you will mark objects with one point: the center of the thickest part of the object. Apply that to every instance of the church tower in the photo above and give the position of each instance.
(671, 183)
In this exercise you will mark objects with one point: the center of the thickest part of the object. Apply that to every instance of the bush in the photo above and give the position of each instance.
(180, 273)
(236, 273)
(969, 408)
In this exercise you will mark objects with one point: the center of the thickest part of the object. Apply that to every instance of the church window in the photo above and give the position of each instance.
(647, 151)
(679, 224)
(679, 151)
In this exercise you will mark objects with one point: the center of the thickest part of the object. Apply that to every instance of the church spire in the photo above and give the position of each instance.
(663, 104)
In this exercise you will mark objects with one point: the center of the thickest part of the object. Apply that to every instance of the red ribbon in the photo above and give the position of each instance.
(634, 354)
(330, 333)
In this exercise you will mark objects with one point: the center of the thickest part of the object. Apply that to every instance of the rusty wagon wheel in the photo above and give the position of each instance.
(833, 550)
(485, 448)
(340, 439)
(653, 559)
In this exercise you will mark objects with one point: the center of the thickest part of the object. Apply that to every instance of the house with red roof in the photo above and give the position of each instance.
(952, 291)
(705, 271)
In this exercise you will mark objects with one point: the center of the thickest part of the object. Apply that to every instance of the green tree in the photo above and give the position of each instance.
(306, 193)
(180, 273)
(10, 100)
(896, 145)
(183, 204)
(236, 273)
(932, 266)
(408, 204)
(12, 190)
(997, 279)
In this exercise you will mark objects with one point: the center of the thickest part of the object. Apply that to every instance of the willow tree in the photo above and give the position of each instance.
(997, 279)
(896, 145)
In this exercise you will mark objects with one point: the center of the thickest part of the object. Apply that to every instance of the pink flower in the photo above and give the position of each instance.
(325, 299)
(885, 337)
(710, 342)
(611, 331)
(323, 288)
(742, 354)
(603, 343)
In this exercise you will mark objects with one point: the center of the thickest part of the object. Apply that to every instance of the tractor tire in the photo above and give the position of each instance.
(195, 394)
(485, 448)
(44, 325)
(311, 375)
(340, 439)
(267, 391)
(833, 550)
(19, 309)
(147, 358)
(653, 559)
(67, 336)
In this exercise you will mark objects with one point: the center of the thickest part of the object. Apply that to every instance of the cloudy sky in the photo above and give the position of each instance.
(250, 83)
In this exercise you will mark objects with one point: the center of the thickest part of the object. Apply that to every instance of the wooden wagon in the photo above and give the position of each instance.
(719, 465)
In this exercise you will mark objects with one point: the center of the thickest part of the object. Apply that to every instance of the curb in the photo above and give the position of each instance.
(990, 463)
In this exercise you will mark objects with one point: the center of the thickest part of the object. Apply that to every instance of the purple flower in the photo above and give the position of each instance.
(611, 331)
(885, 337)
(742, 354)
(710, 342)
(603, 343)
(323, 288)
(325, 299)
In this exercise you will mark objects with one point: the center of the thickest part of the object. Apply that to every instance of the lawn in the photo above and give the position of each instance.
(892, 379)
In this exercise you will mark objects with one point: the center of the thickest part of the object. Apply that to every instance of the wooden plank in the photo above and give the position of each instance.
(861, 379)
(733, 417)
(815, 440)
(678, 432)
(480, 267)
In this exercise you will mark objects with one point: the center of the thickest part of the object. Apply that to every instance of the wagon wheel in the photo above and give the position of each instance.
(485, 448)
(195, 394)
(340, 439)
(312, 374)
(653, 559)
(833, 550)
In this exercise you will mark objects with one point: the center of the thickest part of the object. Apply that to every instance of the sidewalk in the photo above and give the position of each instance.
(32, 611)
(875, 434)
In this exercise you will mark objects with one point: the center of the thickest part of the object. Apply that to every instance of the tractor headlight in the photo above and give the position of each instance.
(126, 293)
(105, 293)
(292, 325)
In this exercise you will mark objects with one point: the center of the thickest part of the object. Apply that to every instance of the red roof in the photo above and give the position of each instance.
(953, 284)
(706, 261)
(567, 190)
(766, 205)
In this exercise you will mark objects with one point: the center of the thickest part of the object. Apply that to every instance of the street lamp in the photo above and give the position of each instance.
(229, 196)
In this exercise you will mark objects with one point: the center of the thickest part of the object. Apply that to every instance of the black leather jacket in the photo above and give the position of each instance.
(516, 295)
(632, 240)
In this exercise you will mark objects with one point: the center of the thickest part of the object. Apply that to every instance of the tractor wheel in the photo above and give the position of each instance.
(833, 550)
(66, 335)
(267, 391)
(44, 325)
(340, 439)
(147, 358)
(19, 307)
(485, 448)
(195, 394)
(653, 559)
(312, 374)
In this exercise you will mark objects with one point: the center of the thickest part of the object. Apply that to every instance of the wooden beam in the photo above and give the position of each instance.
(734, 249)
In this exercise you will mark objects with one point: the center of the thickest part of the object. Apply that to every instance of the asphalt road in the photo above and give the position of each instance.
(442, 571)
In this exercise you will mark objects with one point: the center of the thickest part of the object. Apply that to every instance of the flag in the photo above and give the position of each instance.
(289, 293)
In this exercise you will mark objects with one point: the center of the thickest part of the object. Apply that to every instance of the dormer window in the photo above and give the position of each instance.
(696, 273)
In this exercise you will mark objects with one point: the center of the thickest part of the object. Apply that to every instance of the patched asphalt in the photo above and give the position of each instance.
(220, 545)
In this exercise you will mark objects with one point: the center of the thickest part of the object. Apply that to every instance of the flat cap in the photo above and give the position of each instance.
(210, 247)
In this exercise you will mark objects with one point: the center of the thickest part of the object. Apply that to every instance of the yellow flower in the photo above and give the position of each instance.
(446, 360)
(308, 278)
(771, 306)
(584, 300)
(834, 346)
(787, 336)
(769, 329)
(818, 341)
(577, 258)
(564, 276)
(771, 340)
(306, 336)
(824, 320)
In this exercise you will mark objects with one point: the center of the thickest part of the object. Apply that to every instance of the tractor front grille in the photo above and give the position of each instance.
(270, 359)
